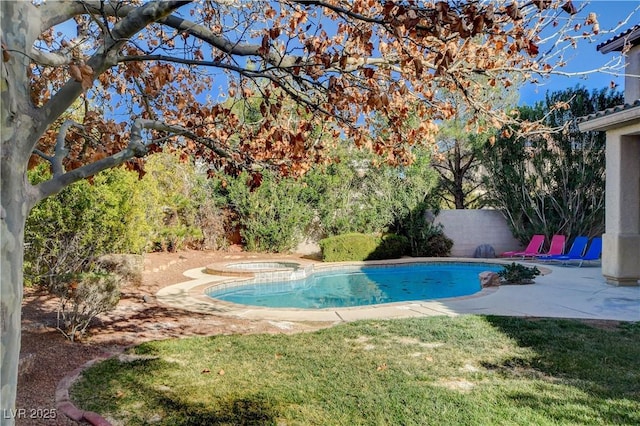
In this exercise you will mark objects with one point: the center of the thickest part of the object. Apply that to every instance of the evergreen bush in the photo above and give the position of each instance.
(67, 232)
(353, 194)
(348, 247)
(433, 243)
(425, 238)
(357, 247)
(271, 217)
(391, 246)
(179, 204)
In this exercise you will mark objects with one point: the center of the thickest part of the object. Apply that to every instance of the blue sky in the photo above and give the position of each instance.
(609, 13)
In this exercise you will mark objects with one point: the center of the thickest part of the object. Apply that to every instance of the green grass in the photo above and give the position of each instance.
(469, 370)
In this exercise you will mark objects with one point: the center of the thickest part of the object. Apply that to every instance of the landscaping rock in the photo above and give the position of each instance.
(489, 279)
(484, 251)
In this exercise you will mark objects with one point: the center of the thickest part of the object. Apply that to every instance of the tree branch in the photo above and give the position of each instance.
(133, 22)
(53, 59)
(57, 12)
(61, 150)
(182, 131)
(136, 148)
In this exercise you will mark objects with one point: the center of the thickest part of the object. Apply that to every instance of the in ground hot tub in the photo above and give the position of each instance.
(263, 270)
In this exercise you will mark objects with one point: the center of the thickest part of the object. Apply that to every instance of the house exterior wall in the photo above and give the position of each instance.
(621, 240)
(632, 71)
(471, 228)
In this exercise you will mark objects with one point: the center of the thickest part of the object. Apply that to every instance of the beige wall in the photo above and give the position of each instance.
(631, 80)
(621, 240)
(470, 228)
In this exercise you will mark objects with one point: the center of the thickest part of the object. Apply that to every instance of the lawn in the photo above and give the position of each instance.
(471, 370)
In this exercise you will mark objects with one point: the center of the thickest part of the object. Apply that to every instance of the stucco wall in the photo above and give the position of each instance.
(470, 228)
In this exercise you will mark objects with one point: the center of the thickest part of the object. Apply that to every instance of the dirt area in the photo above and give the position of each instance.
(138, 317)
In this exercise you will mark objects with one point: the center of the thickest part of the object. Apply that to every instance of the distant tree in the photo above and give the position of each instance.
(458, 165)
(460, 141)
(553, 183)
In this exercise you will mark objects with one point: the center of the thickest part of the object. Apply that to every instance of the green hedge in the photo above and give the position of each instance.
(391, 246)
(356, 247)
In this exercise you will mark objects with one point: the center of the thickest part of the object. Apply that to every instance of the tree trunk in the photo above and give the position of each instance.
(17, 197)
(19, 21)
(459, 197)
(14, 209)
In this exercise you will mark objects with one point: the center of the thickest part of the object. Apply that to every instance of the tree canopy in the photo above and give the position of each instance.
(155, 65)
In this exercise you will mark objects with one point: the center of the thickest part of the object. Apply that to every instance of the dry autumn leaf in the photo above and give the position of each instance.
(75, 72)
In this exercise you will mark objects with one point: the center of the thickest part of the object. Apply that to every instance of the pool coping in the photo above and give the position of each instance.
(190, 295)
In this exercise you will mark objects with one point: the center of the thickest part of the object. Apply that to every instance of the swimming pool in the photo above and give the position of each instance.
(359, 286)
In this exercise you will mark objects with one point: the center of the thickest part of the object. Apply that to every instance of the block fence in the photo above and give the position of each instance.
(471, 228)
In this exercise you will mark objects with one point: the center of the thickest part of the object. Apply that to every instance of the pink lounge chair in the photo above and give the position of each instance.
(555, 248)
(532, 249)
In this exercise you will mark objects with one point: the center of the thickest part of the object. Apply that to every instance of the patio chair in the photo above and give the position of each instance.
(594, 252)
(532, 249)
(577, 248)
(555, 248)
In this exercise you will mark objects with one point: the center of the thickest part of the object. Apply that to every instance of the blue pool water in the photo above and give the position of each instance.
(361, 286)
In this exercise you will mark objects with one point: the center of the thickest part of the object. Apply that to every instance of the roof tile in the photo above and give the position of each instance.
(609, 111)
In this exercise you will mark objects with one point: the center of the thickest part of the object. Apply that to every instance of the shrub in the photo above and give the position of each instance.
(215, 223)
(81, 298)
(518, 274)
(356, 247)
(348, 247)
(353, 194)
(175, 193)
(433, 242)
(271, 217)
(128, 267)
(65, 233)
(425, 238)
(391, 246)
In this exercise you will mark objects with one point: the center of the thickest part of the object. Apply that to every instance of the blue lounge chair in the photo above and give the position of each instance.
(577, 248)
(593, 253)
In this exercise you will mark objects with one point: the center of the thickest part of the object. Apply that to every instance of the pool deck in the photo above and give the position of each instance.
(563, 292)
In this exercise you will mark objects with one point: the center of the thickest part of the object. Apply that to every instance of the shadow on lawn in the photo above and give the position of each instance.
(171, 405)
(243, 411)
(602, 363)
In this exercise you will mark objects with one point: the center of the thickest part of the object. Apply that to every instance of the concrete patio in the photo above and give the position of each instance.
(565, 292)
